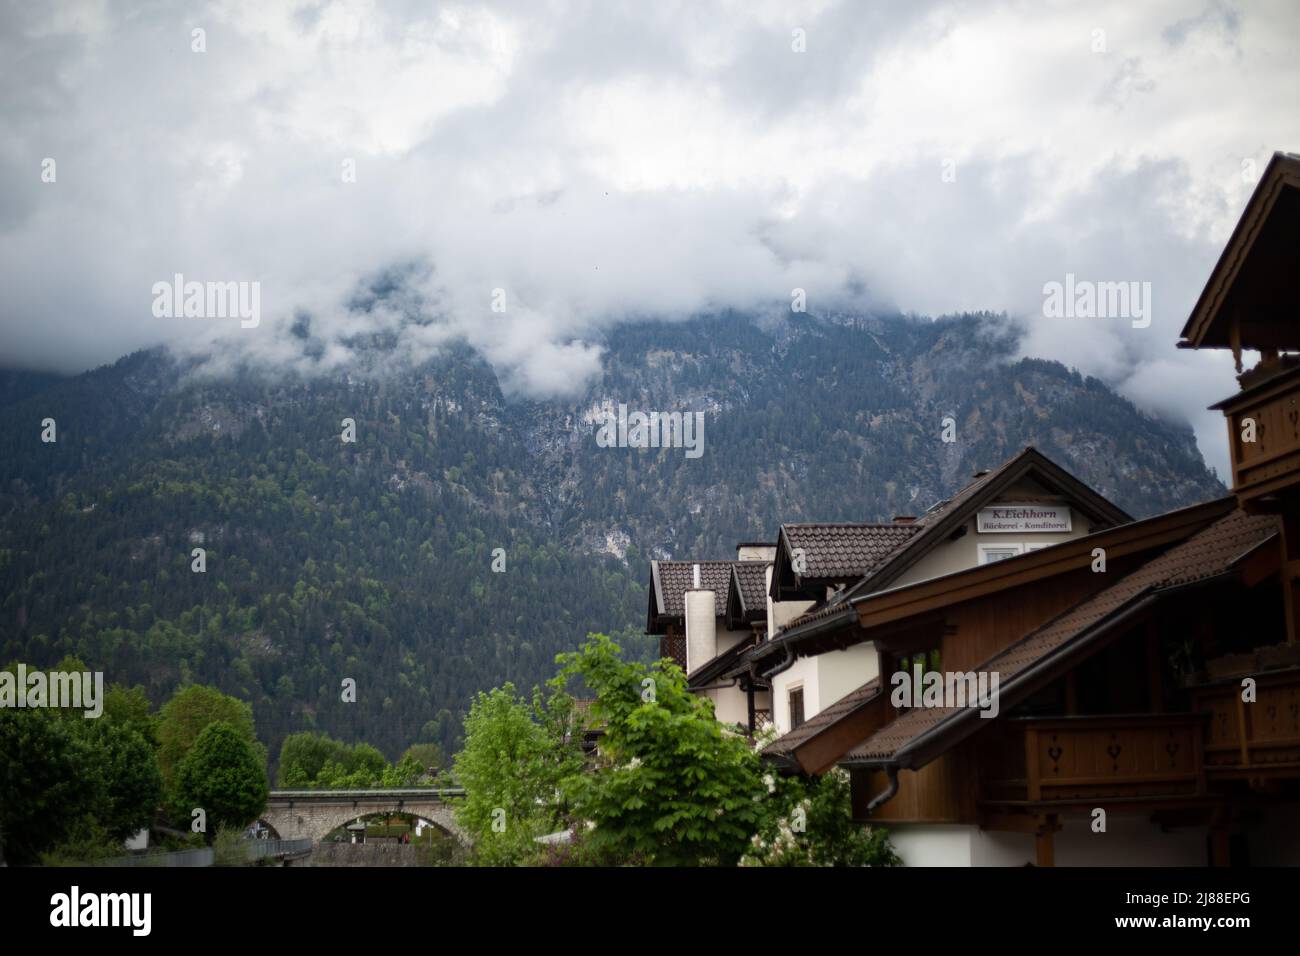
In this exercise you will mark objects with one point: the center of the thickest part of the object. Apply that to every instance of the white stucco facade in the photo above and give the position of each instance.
(1128, 841)
(966, 551)
(824, 679)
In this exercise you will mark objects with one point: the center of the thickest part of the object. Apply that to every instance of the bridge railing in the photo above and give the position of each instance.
(255, 849)
(404, 793)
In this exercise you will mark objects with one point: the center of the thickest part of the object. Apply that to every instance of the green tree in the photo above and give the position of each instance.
(303, 756)
(673, 786)
(516, 756)
(184, 718)
(810, 823)
(101, 773)
(130, 785)
(43, 793)
(222, 774)
(405, 773)
(428, 756)
(130, 706)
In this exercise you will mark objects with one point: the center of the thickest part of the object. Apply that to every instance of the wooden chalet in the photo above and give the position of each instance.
(1148, 704)
(816, 655)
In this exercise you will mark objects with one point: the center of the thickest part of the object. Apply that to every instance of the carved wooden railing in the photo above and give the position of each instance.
(1264, 436)
(1256, 738)
(1087, 758)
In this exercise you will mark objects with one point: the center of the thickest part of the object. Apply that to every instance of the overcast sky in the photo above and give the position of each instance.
(600, 161)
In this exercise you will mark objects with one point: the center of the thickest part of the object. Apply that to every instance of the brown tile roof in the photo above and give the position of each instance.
(673, 578)
(786, 744)
(846, 550)
(1206, 554)
(818, 612)
(751, 577)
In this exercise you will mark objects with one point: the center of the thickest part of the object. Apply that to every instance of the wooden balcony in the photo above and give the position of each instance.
(1271, 463)
(1058, 761)
(1253, 740)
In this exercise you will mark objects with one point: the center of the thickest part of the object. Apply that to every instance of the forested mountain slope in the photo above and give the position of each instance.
(373, 560)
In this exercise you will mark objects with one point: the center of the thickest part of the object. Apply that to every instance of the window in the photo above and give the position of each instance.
(999, 552)
(927, 660)
(796, 707)
(922, 660)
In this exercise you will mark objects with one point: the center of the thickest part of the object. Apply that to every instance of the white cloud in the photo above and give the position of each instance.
(603, 163)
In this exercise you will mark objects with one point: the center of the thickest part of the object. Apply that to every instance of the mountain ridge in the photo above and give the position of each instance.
(373, 560)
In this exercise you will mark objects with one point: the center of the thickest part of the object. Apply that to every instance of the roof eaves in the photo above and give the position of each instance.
(915, 753)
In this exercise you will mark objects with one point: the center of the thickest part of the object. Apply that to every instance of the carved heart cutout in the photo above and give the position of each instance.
(1114, 750)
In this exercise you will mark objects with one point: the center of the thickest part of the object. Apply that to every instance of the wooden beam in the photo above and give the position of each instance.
(1044, 845)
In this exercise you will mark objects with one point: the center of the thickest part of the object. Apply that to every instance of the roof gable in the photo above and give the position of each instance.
(1250, 298)
(941, 522)
(747, 600)
(670, 580)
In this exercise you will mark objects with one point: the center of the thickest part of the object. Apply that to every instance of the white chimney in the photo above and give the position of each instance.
(701, 628)
(695, 577)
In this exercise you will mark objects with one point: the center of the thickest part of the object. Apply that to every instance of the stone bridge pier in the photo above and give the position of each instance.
(311, 814)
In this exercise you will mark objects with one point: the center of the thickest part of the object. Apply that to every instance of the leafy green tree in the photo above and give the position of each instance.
(304, 755)
(673, 786)
(130, 785)
(130, 706)
(183, 719)
(43, 793)
(516, 756)
(365, 761)
(405, 773)
(316, 760)
(223, 774)
(810, 823)
(428, 756)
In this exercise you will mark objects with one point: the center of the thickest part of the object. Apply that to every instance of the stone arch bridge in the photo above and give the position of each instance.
(311, 814)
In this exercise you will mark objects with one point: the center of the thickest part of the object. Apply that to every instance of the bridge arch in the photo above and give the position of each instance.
(410, 816)
(312, 814)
